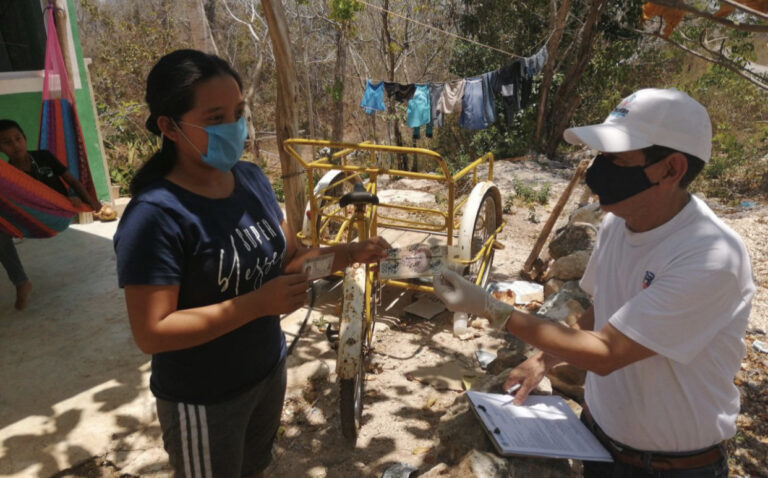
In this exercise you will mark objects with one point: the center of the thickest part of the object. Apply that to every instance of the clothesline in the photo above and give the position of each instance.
(426, 25)
(473, 97)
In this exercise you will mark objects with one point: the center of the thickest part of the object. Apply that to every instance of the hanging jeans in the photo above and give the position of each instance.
(9, 258)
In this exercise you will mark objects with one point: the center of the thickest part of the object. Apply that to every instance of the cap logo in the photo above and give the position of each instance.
(622, 110)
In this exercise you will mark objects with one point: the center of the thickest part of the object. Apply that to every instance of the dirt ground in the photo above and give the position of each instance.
(416, 373)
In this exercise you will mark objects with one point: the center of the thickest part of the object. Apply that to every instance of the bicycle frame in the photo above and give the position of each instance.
(444, 225)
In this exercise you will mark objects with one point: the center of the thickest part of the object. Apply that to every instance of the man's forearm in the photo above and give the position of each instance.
(586, 322)
(582, 348)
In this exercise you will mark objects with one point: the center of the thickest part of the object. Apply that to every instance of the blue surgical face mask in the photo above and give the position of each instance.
(225, 143)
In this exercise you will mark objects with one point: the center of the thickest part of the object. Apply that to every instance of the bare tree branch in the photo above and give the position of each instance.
(746, 9)
(717, 59)
(681, 5)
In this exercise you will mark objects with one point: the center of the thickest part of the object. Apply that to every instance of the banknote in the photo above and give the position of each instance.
(319, 266)
(416, 260)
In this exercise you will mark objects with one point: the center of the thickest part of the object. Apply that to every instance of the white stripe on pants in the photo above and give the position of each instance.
(192, 437)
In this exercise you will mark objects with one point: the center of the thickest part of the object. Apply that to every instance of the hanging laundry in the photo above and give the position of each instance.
(373, 97)
(418, 107)
(435, 116)
(451, 98)
(417, 131)
(473, 105)
(510, 83)
(533, 64)
(419, 110)
(399, 92)
(489, 104)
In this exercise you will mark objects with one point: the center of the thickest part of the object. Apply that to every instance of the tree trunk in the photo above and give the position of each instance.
(308, 83)
(391, 110)
(566, 100)
(557, 25)
(286, 121)
(200, 36)
(337, 130)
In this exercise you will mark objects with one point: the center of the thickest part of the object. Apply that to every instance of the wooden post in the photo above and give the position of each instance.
(286, 121)
(580, 169)
(62, 30)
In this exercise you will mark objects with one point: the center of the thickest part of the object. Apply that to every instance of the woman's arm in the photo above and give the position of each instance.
(158, 326)
(371, 250)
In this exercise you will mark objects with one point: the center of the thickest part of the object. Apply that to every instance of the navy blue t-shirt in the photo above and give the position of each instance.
(214, 249)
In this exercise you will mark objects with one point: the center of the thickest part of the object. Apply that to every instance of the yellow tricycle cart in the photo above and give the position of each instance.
(344, 207)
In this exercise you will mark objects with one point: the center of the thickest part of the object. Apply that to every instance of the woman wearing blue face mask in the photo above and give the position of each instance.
(208, 265)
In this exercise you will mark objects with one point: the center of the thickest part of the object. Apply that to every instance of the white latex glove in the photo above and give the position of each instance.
(460, 295)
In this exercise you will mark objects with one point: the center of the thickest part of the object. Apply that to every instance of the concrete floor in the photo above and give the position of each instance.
(73, 385)
(72, 379)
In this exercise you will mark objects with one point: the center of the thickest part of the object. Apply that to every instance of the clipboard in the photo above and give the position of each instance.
(545, 426)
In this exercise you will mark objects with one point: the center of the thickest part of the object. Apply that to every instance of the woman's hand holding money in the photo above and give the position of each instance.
(370, 250)
(460, 295)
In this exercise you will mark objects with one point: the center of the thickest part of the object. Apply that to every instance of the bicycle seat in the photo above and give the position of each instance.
(358, 196)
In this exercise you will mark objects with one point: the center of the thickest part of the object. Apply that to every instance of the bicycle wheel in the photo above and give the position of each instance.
(350, 365)
(480, 219)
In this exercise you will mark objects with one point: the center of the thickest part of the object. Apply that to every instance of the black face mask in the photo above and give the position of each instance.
(614, 183)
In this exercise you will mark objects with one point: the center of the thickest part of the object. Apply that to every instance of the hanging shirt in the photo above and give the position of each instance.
(419, 107)
(510, 83)
(48, 170)
(373, 97)
(214, 250)
(399, 92)
(450, 100)
(435, 115)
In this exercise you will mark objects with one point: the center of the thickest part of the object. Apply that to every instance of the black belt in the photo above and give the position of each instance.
(649, 460)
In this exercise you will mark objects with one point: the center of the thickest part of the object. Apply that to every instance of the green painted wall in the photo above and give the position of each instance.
(24, 108)
(84, 100)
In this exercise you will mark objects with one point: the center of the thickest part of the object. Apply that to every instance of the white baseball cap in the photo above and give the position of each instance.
(650, 117)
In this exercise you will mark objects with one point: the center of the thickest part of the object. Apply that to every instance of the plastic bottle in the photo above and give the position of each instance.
(460, 320)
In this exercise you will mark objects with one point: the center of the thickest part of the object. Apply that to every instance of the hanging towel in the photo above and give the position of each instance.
(373, 97)
(418, 107)
(435, 116)
(473, 105)
(399, 92)
(451, 98)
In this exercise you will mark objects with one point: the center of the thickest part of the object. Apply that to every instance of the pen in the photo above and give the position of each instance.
(512, 389)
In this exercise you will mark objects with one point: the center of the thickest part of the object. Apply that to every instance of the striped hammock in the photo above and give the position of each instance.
(29, 208)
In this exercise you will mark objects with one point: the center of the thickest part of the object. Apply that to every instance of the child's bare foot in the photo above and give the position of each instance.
(22, 294)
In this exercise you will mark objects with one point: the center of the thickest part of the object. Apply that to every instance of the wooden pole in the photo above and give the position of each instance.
(580, 169)
(62, 28)
(286, 120)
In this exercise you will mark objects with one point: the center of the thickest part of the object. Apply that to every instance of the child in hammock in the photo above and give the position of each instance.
(43, 166)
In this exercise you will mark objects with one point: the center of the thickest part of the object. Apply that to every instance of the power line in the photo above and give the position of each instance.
(425, 25)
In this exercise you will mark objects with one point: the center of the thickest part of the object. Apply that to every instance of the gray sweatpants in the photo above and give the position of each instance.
(231, 439)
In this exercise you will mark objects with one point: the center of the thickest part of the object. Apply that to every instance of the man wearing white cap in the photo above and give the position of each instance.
(672, 288)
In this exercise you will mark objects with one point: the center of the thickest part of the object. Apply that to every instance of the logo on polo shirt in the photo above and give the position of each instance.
(649, 276)
(622, 110)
